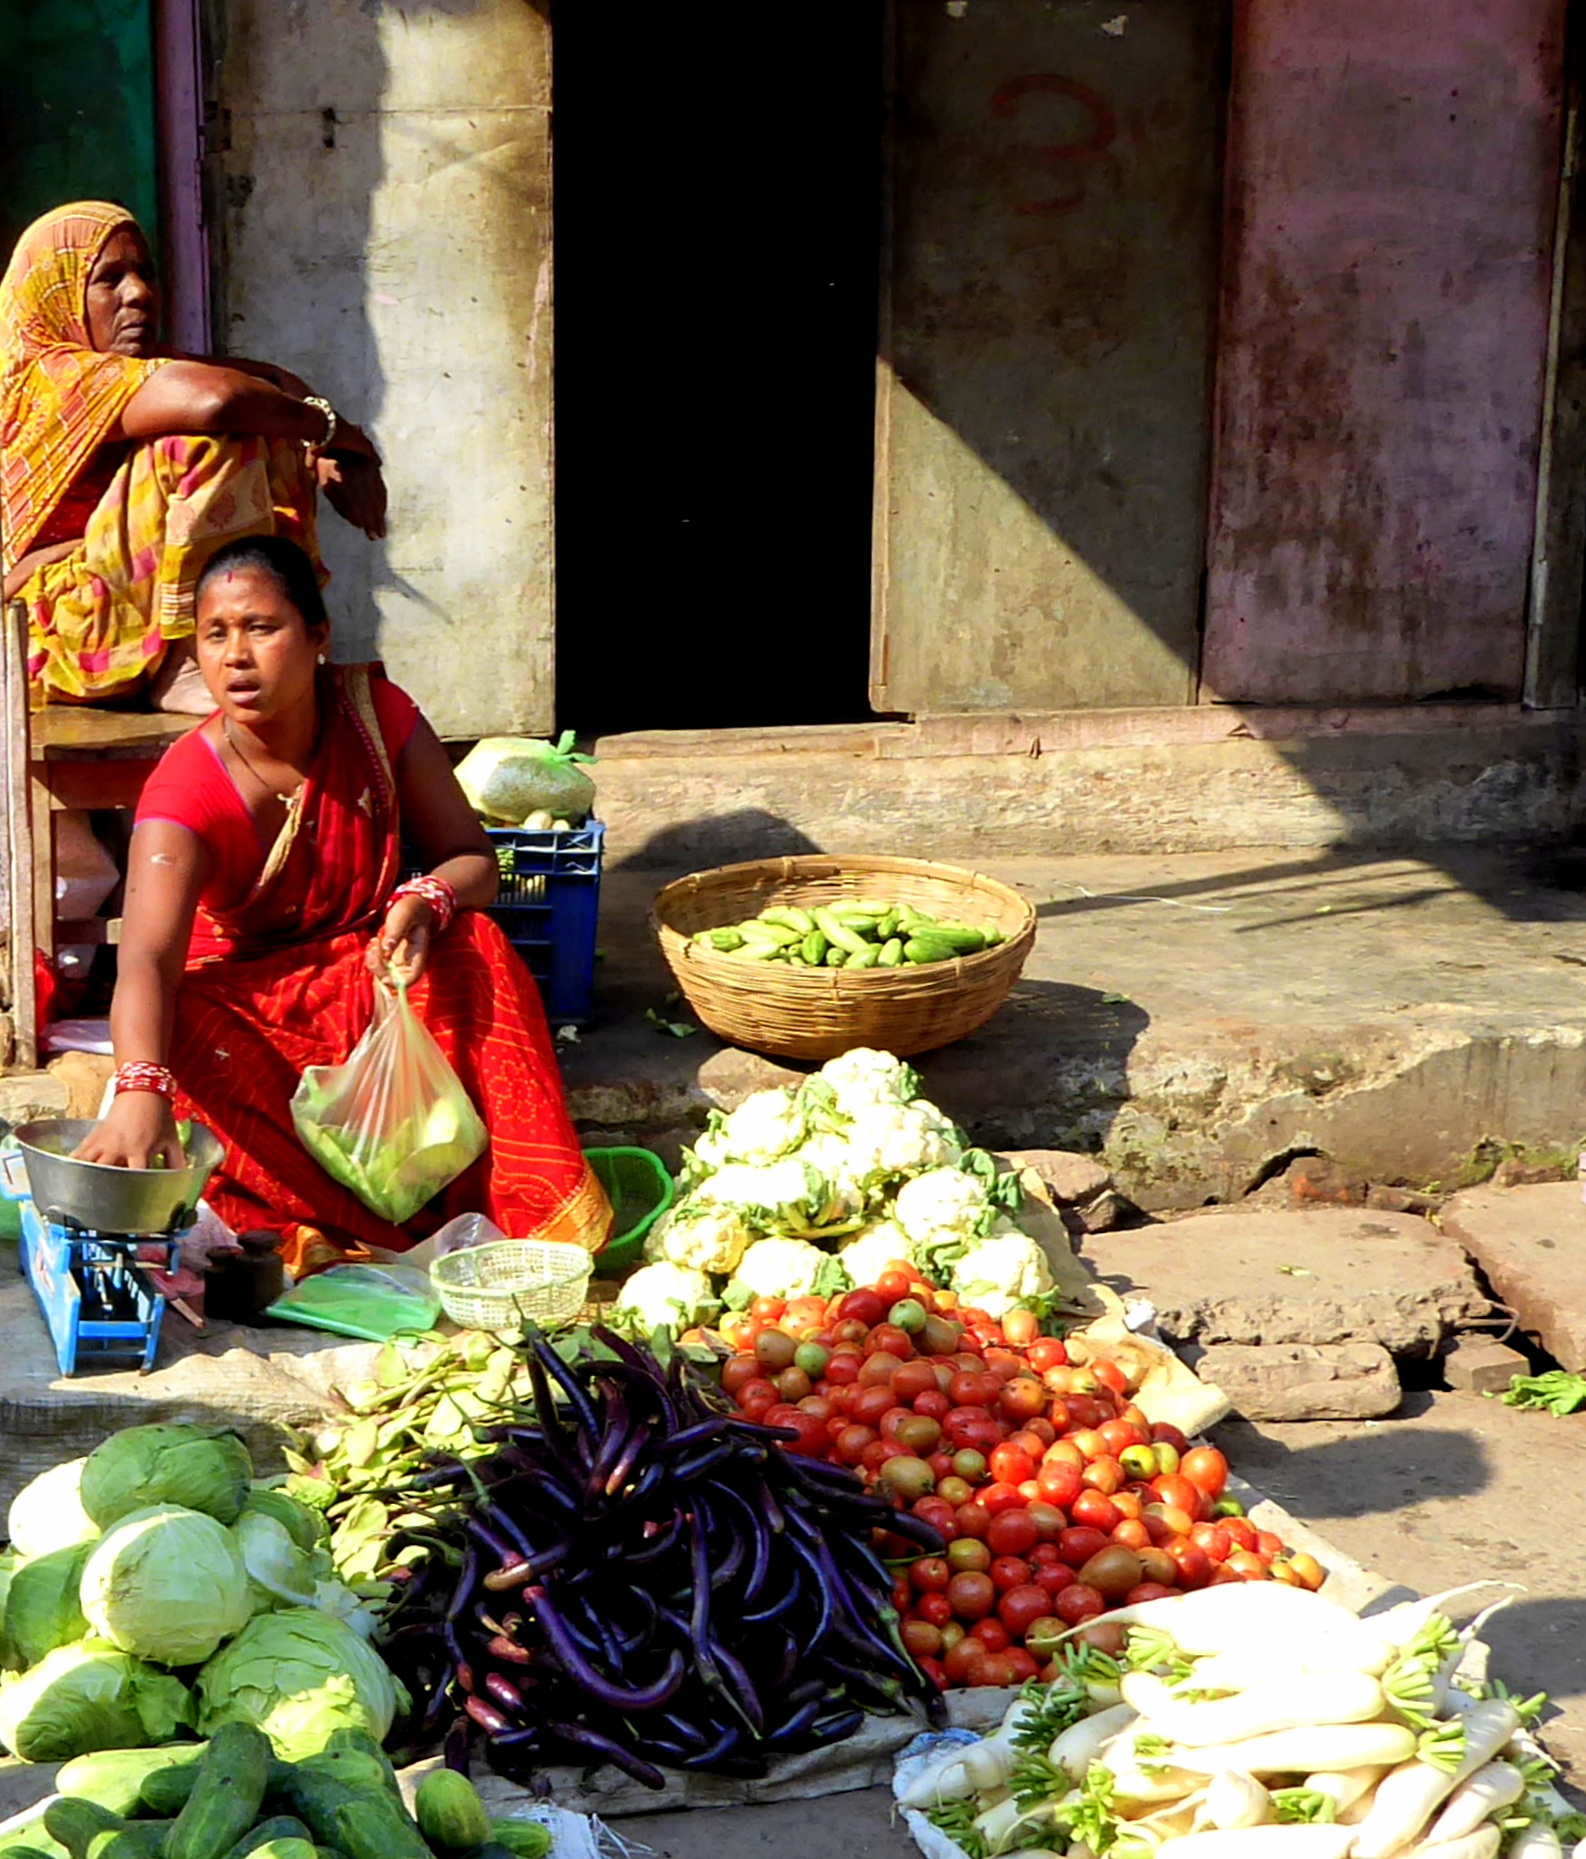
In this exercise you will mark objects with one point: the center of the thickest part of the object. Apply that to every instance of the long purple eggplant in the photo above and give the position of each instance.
(614, 1696)
(592, 1742)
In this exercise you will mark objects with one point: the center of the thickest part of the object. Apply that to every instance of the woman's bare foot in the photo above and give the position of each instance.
(178, 686)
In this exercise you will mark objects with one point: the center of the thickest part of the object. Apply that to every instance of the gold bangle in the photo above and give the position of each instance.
(332, 421)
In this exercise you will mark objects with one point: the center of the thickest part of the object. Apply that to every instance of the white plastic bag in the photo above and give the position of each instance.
(393, 1123)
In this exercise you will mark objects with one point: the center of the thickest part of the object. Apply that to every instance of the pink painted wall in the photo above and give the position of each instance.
(1392, 183)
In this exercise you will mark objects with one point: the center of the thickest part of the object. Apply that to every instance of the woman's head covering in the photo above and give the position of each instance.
(59, 398)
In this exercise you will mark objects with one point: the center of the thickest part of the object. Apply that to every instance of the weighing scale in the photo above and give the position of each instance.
(91, 1235)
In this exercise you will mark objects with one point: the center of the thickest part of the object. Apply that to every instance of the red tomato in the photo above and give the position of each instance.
(1163, 1434)
(1128, 1503)
(1121, 1434)
(1084, 1411)
(1165, 1523)
(930, 1574)
(1248, 1566)
(838, 1425)
(1011, 1465)
(1268, 1545)
(1078, 1545)
(968, 1552)
(1110, 1375)
(876, 1454)
(1023, 1398)
(935, 1607)
(1047, 1352)
(972, 1595)
(757, 1399)
(1000, 1497)
(914, 1379)
(973, 1520)
(878, 1370)
(992, 1634)
(812, 1440)
(1049, 1521)
(933, 1403)
(1090, 1443)
(819, 1406)
(1059, 1482)
(941, 1464)
(862, 1307)
(934, 1670)
(1021, 1605)
(1206, 1467)
(1241, 1532)
(1053, 1577)
(941, 1517)
(901, 1595)
(1023, 1666)
(893, 1283)
(737, 1372)
(843, 1370)
(962, 1663)
(1009, 1572)
(888, 1339)
(1194, 1565)
(854, 1442)
(1012, 1533)
(869, 1406)
(922, 1640)
(1077, 1603)
(1214, 1539)
(767, 1309)
(1105, 1476)
(1095, 1509)
(997, 1670)
(850, 1333)
(1131, 1533)
(1148, 1591)
(970, 1389)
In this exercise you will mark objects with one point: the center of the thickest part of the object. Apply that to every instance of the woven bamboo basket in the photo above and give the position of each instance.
(816, 1013)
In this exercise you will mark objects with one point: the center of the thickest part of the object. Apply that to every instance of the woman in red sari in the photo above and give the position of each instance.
(262, 910)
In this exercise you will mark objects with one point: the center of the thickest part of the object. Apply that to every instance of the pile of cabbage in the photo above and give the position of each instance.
(811, 1191)
(155, 1590)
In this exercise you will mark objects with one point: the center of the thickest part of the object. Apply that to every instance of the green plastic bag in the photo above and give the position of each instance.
(371, 1302)
(393, 1123)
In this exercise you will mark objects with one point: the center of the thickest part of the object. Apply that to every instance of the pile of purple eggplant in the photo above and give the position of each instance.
(635, 1574)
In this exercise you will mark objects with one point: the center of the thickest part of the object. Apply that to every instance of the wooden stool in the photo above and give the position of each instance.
(65, 755)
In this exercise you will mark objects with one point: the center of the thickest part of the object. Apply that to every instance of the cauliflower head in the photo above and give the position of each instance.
(865, 1077)
(704, 1238)
(776, 1194)
(786, 1268)
(900, 1139)
(1002, 1270)
(664, 1296)
(765, 1126)
(942, 1203)
(872, 1249)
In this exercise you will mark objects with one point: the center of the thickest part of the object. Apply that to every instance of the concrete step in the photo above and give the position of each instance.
(1198, 1019)
(1531, 1244)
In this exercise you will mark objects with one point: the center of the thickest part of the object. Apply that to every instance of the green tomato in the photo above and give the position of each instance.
(1139, 1461)
(812, 1358)
(909, 1315)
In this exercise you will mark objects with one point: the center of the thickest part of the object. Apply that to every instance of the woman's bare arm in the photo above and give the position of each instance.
(166, 869)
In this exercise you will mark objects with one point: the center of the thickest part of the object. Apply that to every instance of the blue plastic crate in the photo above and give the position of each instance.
(547, 907)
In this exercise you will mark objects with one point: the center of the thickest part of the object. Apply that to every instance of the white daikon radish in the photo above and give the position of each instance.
(1343, 1787)
(1234, 1799)
(1315, 1746)
(1283, 1704)
(1407, 1799)
(1077, 1747)
(1006, 1820)
(1298, 1841)
(1401, 1624)
(1483, 1843)
(1476, 1799)
(1251, 1618)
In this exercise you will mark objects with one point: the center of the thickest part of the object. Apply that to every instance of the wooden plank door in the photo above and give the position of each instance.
(1393, 177)
(1049, 283)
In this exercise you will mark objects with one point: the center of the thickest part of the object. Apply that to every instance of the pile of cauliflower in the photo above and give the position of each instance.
(816, 1190)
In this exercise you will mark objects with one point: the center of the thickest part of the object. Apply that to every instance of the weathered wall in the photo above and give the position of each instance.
(385, 167)
(1048, 297)
(1392, 173)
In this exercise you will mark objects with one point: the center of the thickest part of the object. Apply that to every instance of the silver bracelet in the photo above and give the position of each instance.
(332, 420)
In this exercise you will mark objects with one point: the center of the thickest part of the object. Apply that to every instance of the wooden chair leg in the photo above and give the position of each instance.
(21, 880)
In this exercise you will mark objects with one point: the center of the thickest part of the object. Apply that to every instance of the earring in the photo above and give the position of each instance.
(321, 658)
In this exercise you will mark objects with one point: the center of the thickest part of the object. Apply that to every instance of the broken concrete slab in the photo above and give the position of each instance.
(1301, 1381)
(1320, 1276)
(1072, 1180)
(1531, 1245)
(256, 1380)
(1478, 1366)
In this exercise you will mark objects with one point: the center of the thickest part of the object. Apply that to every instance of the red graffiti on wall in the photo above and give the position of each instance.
(1066, 160)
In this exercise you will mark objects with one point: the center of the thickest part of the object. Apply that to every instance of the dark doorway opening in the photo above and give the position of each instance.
(717, 189)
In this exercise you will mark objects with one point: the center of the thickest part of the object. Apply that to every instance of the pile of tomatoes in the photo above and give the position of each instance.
(1055, 1495)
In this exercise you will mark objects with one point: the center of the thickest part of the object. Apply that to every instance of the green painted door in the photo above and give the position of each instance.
(77, 115)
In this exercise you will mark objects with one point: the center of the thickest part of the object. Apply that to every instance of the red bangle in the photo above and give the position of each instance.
(437, 893)
(144, 1075)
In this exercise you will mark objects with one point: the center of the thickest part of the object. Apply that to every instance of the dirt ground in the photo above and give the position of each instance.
(1453, 1488)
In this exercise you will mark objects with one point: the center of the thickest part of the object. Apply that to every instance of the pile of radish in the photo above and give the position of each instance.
(1056, 1497)
(1252, 1722)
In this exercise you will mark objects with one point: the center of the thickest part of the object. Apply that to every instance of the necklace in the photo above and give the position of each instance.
(241, 755)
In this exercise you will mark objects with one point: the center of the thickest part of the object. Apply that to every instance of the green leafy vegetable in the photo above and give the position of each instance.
(1557, 1391)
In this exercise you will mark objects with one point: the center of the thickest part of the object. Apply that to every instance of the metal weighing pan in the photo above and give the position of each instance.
(111, 1200)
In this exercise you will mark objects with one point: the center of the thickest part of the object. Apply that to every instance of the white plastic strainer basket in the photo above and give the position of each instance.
(497, 1287)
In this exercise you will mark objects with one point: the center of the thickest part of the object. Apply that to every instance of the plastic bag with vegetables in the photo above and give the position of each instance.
(393, 1123)
(507, 778)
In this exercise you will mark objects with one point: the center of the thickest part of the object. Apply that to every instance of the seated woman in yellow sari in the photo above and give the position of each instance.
(123, 467)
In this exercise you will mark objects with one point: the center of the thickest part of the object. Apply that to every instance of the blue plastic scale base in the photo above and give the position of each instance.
(101, 1309)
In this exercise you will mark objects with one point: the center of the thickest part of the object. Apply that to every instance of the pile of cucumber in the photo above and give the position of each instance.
(231, 1798)
(859, 932)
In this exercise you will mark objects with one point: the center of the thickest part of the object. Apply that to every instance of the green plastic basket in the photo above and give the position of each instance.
(640, 1191)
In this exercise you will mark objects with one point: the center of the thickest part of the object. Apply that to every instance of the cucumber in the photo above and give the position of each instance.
(835, 957)
(355, 1758)
(361, 1824)
(755, 951)
(866, 958)
(789, 916)
(74, 1823)
(114, 1778)
(167, 1791)
(450, 1813)
(891, 955)
(227, 1794)
(138, 1839)
(286, 1849)
(277, 1827)
(726, 940)
(926, 948)
(525, 1839)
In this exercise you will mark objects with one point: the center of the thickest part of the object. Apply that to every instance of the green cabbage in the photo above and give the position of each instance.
(166, 1584)
(199, 1468)
(48, 1513)
(306, 1527)
(10, 1658)
(86, 1697)
(41, 1605)
(299, 1676)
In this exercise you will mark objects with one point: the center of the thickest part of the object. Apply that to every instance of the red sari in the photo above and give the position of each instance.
(276, 981)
